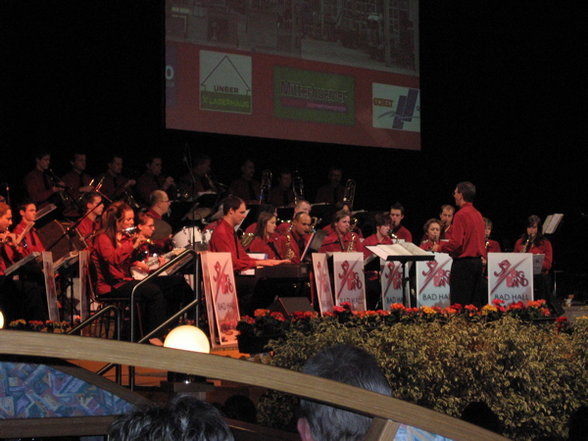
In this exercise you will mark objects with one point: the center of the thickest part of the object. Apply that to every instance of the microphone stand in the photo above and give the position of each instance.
(70, 232)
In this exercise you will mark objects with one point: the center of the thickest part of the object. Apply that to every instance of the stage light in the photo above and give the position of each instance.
(187, 338)
(1, 320)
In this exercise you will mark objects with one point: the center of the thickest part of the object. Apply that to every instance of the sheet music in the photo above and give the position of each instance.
(397, 249)
(552, 222)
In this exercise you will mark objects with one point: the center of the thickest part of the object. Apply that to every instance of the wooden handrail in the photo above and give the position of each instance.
(246, 372)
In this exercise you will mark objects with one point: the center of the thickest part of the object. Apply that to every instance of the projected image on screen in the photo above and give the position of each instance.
(338, 71)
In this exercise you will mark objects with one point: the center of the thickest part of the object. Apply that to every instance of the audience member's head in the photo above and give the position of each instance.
(184, 419)
(346, 364)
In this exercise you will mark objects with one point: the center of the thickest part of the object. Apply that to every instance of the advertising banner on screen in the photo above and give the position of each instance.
(314, 96)
(225, 82)
(395, 107)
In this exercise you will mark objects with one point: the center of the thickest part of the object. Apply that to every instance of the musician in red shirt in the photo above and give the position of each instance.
(29, 240)
(446, 218)
(533, 241)
(39, 185)
(302, 206)
(224, 238)
(466, 247)
(381, 236)
(432, 229)
(265, 236)
(341, 238)
(112, 258)
(77, 182)
(396, 216)
(492, 246)
(19, 299)
(293, 243)
(90, 224)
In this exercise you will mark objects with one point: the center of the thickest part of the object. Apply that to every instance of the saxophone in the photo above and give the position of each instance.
(527, 245)
(351, 246)
(289, 251)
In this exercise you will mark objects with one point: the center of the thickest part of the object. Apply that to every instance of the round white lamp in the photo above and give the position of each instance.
(187, 338)
(1, 320)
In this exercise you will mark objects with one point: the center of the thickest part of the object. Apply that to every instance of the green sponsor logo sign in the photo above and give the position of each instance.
(314, 96)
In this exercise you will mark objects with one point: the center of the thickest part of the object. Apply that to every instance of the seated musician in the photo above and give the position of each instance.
(40, 186)
(282, 195)
(245, 186)
(293, 243)
(77, 181)
(267, 208)
(492, 246)
(265, 236)
(22, 298)
(153, 179)
(533, 241)
(199, 180)
(90, 224)
(432, 229)
(341, 238)
(446, 217)
(25, 231)
(224, 239)
(158, 208)
(302, 206)
(381, 236)
(115, 186)
(150, 255)
(112, 258)
(398, 230)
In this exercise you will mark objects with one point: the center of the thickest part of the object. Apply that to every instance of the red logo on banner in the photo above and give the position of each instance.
(349, 278)
(511, 275)
(436, 274)
(222, 280)
(393, 275)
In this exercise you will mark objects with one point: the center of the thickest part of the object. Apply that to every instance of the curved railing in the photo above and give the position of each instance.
(388, 412)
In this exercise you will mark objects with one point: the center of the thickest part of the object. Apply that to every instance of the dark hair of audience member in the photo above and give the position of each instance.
(184, 419)
(350, 365)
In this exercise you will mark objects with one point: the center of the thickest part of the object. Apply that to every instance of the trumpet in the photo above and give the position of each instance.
(131, 231)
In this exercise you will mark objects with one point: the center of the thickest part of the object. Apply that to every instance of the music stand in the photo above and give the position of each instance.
(403, 253)
(313, 245)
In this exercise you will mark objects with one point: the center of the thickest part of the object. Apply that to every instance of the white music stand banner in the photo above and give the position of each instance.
(322, 281)
(349, 280)
(50, 288)
(510, 277)
(432, 281)
(391, 283)
(221, 298)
